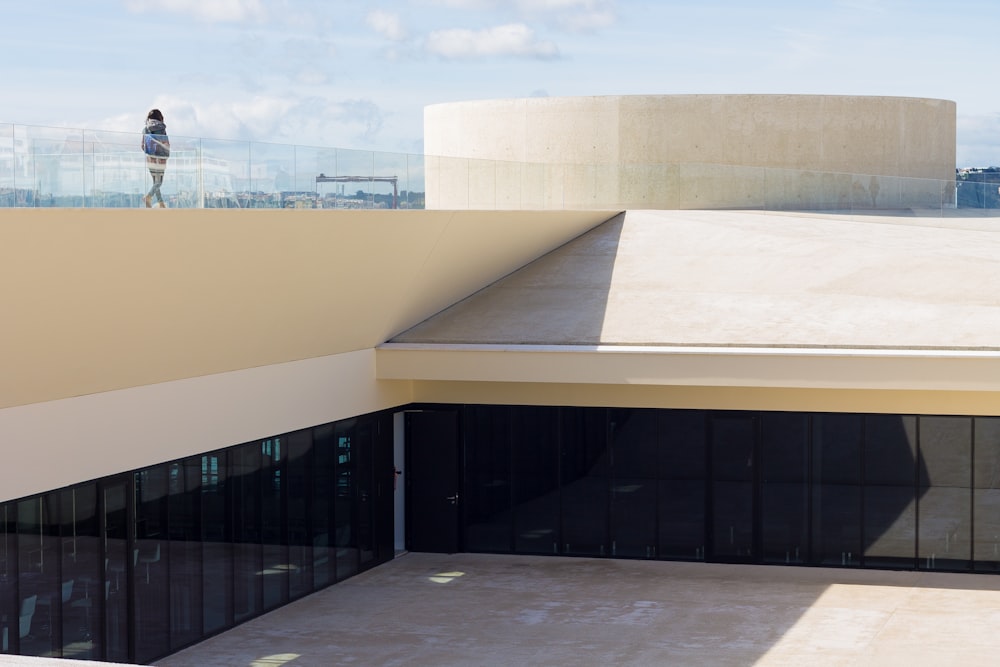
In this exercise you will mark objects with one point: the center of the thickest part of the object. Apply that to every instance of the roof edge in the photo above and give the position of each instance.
(817, 368)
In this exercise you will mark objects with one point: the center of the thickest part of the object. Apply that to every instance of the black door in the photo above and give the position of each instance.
(432, 481)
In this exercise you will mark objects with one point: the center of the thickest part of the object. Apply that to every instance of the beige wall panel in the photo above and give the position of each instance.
(710, 398)
(57, 443)
(97, 299)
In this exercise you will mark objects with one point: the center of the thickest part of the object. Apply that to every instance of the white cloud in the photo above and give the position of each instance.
(513, 39)
(571, 15)
(387, 24)
(290, 119)
(213, 11)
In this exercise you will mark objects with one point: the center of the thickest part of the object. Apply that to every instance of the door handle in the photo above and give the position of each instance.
(452, 499)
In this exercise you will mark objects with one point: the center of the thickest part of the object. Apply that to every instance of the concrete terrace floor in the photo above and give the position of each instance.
(892, 279)
(476, 609)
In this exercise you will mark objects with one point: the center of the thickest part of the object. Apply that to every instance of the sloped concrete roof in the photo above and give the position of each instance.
(747, 279)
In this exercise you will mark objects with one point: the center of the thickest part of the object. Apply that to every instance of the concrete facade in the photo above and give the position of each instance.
(691, 151)
(186, 330)
(711, 310)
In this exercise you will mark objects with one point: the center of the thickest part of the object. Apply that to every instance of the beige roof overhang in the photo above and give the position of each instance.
(803, 368)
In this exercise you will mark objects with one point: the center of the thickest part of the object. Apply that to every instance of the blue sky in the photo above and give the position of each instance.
(358, 74)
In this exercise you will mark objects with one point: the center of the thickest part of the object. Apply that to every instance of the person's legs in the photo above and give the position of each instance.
(157, 182)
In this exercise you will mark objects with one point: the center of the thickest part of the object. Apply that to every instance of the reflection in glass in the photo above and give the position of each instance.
(584, 468)
(274, 550)
(535, 454)
(345, 502)
(118, 565)
(682, 473)
(323, 496)
(216, 542)
(298, 491)
(38, 568)
(944, 496)
(149, 582)
(890, 458)
(245, 469)
(836, 489)
(8, 579)
(784, 487)
(732, 450)
(185, 550)
(487, 493)
(986, 494)
(80, 580)
(634, 448)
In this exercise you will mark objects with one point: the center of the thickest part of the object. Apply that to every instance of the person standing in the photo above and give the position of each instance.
(156, 146)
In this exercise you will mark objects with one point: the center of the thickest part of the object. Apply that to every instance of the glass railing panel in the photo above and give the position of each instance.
(649, 186)
(413, 195)
(722, 187)
(483, 185)
(272, 175)
(783, 189)
(50, 169)
(510, 186)
(8, 160)
(114, 169)
(973, 192)
(216, 172)
(448, 183)
(41, 166)
(533, 186)
(350, 183)
(400, 174)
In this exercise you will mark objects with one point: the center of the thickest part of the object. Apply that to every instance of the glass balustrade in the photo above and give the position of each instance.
(67, 167)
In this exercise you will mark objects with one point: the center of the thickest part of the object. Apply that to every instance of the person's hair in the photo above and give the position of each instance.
(155, 115)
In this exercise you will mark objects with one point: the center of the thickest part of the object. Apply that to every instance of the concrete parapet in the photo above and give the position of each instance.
(691, 151)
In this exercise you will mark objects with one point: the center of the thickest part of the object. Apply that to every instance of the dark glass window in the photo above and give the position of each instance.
(986, 495)
(584, 468)
(345, 504)
(634, 447)
(784, 487)
(274, 549)
(185, 548)
(364, 443)
(298, 490)
(38, 566)
(487, 506)
(324, 491)
(944, 498)
(535, 455)
(150, 600)
(836, 489)
(682, 484)
(216, 542)
(732, 450)
(890, 457)
(9, 629)
(245, 480)
(118, 565)
(81, 589)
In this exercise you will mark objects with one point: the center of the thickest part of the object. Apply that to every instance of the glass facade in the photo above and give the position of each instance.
(136, 566)
(133, 567)
(852, 490)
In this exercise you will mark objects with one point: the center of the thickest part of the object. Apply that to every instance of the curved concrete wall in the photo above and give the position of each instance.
(691, 151)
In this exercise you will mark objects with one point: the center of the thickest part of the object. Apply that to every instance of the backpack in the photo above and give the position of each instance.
(157, 145)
